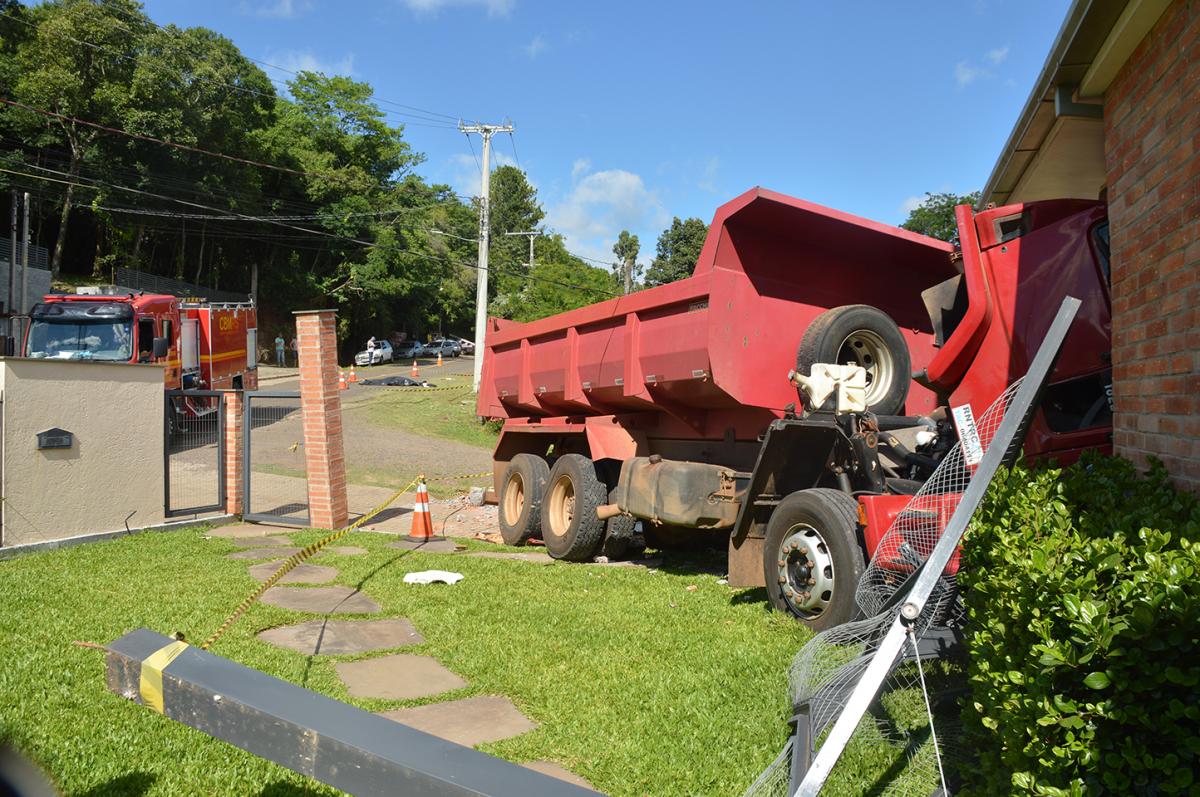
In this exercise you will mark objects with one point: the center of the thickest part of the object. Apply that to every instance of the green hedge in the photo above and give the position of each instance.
(1084, 608)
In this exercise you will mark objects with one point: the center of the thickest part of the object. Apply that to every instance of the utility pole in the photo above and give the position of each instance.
(25, 255)
(485, 132)
(10, 299)
(532, 234)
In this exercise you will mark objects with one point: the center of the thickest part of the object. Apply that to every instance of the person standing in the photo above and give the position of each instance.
(279, 358)
(295, 351)
(371, 350)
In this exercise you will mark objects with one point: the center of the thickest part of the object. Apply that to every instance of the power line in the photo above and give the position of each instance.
(267, 220)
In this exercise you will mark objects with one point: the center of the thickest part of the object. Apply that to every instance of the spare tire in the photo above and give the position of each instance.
(859, 334)
(520, 497)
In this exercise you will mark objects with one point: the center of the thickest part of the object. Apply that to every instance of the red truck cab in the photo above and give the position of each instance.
(201, 345)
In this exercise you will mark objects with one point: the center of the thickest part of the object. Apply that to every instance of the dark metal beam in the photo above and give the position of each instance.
(335, 743)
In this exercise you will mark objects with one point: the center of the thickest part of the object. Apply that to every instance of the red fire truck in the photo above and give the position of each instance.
(203, 345)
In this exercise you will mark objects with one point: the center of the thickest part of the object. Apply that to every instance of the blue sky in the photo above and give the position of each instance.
(629, 113)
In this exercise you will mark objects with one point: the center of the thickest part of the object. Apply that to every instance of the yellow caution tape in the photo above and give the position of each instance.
(291, 562)
(296, 559)
(150, 683)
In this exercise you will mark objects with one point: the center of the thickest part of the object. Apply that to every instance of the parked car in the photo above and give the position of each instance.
(447, 348)
(468, 346)
(381, 354)
(407, 350)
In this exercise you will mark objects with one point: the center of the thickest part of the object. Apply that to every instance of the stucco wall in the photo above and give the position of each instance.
(1151, 115)
(114, 466)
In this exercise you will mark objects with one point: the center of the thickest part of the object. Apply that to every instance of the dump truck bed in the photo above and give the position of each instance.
(725, 337)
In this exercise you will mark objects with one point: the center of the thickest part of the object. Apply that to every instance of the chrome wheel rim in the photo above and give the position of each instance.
(867, 349)
(805, 571)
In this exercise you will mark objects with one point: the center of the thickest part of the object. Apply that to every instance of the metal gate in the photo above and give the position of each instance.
(275, 478)
(193, 453)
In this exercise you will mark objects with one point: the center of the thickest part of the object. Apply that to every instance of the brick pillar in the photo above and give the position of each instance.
(234, 461)
(316, 332)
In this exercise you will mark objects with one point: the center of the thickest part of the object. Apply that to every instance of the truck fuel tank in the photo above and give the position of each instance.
(689, 494)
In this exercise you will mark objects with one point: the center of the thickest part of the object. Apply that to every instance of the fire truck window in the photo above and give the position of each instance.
(145, 339)
(166, 330)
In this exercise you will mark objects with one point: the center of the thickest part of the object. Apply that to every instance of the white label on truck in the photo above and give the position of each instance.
(968, 434)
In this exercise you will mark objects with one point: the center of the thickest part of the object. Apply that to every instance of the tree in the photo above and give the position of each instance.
(678, 249)
(514, 208)
(935, 215)
(79, 64)
(626, 249)
(559, 281)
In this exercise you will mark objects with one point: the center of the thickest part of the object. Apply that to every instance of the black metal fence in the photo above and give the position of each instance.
(154, 283)
(274, 472)
(194, 453)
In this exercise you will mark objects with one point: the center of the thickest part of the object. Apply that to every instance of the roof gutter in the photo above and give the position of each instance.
(1076, 14)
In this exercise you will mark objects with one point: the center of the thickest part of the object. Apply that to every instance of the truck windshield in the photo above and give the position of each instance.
(70, 339)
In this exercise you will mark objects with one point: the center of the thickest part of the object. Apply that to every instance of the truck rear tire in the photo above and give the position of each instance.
(570, 527)
(811, 558)
(862, 335)
(618, 532)
(521, 494)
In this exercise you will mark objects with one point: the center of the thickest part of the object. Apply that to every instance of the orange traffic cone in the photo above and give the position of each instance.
(353, 376)
(342, 385)
(422, 524)
(439, 362)
(415, 374)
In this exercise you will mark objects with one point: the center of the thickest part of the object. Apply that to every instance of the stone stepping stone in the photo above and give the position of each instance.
(338, 637)
(557, 770)
(243, 531)
(540, 558)
(401, 676)
(300, 574)
(343, 550)
(261, 542)
(470, 721)
(264, 553)
(436, 545)
(321, 600)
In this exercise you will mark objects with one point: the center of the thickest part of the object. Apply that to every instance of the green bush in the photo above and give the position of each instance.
(1081, 587)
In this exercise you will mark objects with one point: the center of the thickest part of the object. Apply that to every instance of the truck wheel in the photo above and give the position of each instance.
(618, 532)
(862, 335)
(521, 498)
(811, 559)
(570, 527)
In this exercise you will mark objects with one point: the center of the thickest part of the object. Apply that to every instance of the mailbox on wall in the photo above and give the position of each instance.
(55, 438)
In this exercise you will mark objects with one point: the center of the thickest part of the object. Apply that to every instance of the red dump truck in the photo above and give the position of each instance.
(203, 345)
(707, 407)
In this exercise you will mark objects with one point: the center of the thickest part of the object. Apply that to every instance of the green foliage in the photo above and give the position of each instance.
(935, 215)
(678, 250)
(1083, 597)
(626, 249)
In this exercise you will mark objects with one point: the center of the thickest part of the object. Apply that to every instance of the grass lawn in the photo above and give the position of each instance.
(640, 685)
(449, 414)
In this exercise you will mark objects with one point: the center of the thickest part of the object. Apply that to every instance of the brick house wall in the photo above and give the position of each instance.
(1152, 152)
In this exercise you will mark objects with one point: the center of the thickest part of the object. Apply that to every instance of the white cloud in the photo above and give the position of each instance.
(965, 74)
(495, 8)
(580, 166)
(603, 203)
(536, 47)
(307, 61)
(910, 204)
(998, 55)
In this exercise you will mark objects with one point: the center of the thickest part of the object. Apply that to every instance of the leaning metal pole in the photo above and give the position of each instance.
(1011, 431)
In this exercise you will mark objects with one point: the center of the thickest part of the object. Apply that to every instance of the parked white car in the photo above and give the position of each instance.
(468, 346)
(381, 354)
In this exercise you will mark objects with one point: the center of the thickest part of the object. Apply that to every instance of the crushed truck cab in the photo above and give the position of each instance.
(707, 407)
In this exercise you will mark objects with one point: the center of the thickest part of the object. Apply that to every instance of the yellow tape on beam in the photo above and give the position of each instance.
(150, 683)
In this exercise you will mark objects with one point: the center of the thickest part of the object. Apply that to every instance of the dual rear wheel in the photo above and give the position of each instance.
(558, 504)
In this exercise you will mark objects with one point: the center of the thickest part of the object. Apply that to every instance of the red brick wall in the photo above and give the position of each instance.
(1152, 147)
(316, 332)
